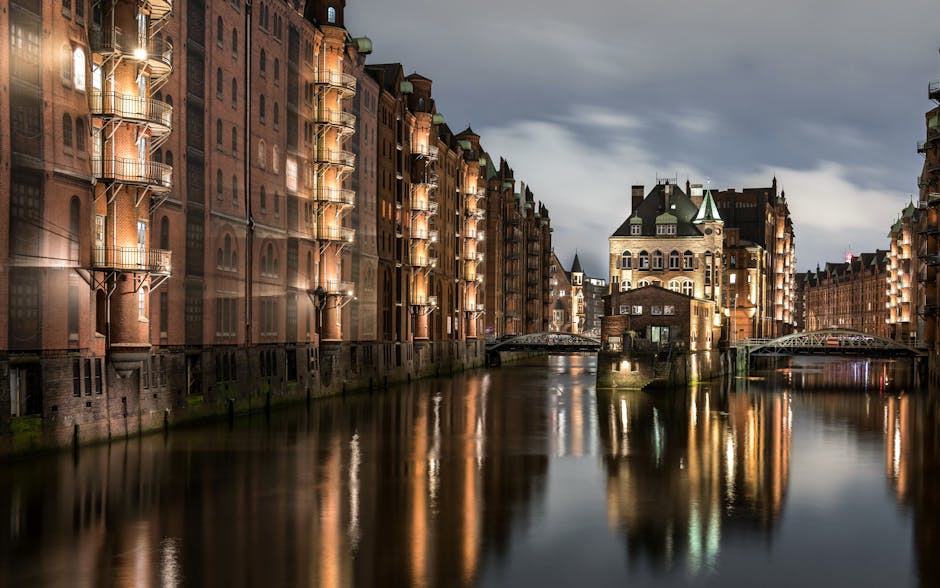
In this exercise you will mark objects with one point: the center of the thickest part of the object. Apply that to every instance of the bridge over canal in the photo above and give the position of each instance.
(551, 342)
(841, 342)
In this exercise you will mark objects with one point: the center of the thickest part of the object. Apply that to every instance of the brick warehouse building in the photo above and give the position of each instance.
(230, 204)
(849, 295)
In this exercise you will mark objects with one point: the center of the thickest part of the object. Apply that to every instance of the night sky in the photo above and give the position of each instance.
(586, 98)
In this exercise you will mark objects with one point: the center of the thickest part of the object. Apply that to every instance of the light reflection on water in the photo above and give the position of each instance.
(521, 475)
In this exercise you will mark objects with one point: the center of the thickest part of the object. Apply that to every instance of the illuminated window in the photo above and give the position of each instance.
(291, 171)
(331, 15)
(687, 260)
(78, 69)
(687, 287)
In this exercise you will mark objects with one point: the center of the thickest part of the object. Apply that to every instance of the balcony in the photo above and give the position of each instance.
(336, 234)
(332, 288)
(933, 90)
(424, 235)
(335, 157)
(337, 80)
(145, 110)
(420, 300)
(428, 179)
(131, 259)
(344, 121)
(158, 8)
(426, 152)
(423, 206)
(334, 196)
(157, 176)
(156, 52)
(424, 261)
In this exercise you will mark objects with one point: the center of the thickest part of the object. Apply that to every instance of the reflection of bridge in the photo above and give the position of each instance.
(829, 342)
(552, 342)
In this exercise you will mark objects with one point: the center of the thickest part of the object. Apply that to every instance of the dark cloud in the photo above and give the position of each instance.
(831, 94)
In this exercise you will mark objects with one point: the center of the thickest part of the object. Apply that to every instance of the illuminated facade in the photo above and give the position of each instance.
(559, 296)
(849, 295)
(901, 295)
(928, 247)
(673, 241)
(745, 287)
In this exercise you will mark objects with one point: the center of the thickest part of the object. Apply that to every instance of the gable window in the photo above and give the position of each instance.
(636, 229)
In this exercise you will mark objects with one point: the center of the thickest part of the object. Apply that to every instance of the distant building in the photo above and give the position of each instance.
(849, 295)
(559, 297)
(903, 286)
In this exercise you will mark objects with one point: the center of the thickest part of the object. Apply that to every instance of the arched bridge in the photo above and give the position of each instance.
(551, 342)
(831, 342)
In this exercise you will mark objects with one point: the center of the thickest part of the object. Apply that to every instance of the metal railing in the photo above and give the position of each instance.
(132, 259)
(133, 171)
(156, 50)
(335, 157)
(336, 118)
(337, 79)
(334, 233)
(130, 107)
(429, 179)
(424, 235)
(429, 151)
(423, 205)
(334, 195)
(424, 261)
(418, 300)
(332, 287)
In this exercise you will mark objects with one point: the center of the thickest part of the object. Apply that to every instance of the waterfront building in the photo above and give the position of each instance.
(587, 300)
(253, 213)
(902, 285)
(745, 292)
(928, 247)
(849, 295)
(559, 296)
(762, 217)
(652, 317)
(675, 242)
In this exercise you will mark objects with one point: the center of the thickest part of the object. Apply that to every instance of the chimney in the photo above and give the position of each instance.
(638, 193)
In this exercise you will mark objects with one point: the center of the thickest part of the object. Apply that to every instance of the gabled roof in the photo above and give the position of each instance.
(576, 265)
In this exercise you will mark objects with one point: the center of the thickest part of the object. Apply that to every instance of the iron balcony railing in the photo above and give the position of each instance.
(419, 300)
(336, 79)
(324, 232)
(428, 151)
(158, 176)
(429, 179)
(156, 51)
(424, 235)
(335, 157)
(131, 107)
(424, 261)
(336, 118)
(421, 205)
(334, 195)
(131, 259)
(332, 288)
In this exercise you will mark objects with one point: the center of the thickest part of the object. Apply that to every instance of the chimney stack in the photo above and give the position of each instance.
(638, 193)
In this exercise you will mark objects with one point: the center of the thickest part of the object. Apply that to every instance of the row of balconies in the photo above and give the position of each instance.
(337, 80)
(331, 287)
(423, 300)
(155, 51)
(426, 151)
(336, 157)
(424, 235)
(427, 206)
(345, 121)
(124, 106)
(424, 261)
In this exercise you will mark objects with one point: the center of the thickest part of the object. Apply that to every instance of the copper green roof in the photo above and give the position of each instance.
(666, 218)
(708, 212)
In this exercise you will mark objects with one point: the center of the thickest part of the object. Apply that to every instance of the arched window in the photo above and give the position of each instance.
(234, 266)
(78, 69)
(626, 260)
(277, 115)
(218, 83)
(275, 159)
(264, 263)
(688, 287)
(644, 260)
(218, 184)
(235, 190)
(261, 107)
(674, 260)
(624, 285)
(75, 228)
(219, 259)
(218, 133)
(657, 260)
(277, 70)
(234, 141)
(277, 204)
(271, 262)
(234, 92)
(262, 159)
(263, 65)
(674, 285)
(65, 65)
(643, 283)
(228, 251)
(67, 130)
(169, 158)
(219, 32)
(264, 199)
(688, 260)
(158, 156)
(331, 15)
(234, 41)
(79, 133)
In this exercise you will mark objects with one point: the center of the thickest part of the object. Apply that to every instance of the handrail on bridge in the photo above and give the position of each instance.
(547, 340)
(829, 342)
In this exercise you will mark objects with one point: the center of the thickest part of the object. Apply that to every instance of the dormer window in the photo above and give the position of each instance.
(636, 229)
(666, 229)
(331, 15)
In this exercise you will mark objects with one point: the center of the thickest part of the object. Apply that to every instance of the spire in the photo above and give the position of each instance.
(576, 265)
(708, 211)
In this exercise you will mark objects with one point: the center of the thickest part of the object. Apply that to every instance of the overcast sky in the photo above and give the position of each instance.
(586, 98)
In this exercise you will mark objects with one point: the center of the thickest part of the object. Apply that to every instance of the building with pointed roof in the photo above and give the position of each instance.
(587, 300)
(674, 241)
(902, 292)
(849, 294)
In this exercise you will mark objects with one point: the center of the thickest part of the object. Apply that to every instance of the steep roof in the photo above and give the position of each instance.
(709, 211)
(654, 205)
(576, 265)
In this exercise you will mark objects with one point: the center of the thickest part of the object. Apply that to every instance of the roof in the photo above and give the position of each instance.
(654, 205)
(468, 131)
(576, 265)
(709, 211)
(559, 305)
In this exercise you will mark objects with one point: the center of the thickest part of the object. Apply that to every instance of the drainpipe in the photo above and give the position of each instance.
(250, 222)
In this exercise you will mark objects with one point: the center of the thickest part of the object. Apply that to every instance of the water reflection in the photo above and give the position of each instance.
(491, 478)
(684, 469)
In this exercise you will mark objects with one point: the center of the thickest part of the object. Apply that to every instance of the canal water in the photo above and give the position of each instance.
(822, 472)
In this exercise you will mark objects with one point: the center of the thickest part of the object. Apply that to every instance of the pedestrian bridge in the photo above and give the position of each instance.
(550, 342)
(829, 342)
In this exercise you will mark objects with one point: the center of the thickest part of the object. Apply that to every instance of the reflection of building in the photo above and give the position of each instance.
(681, 475)
(849, 295)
